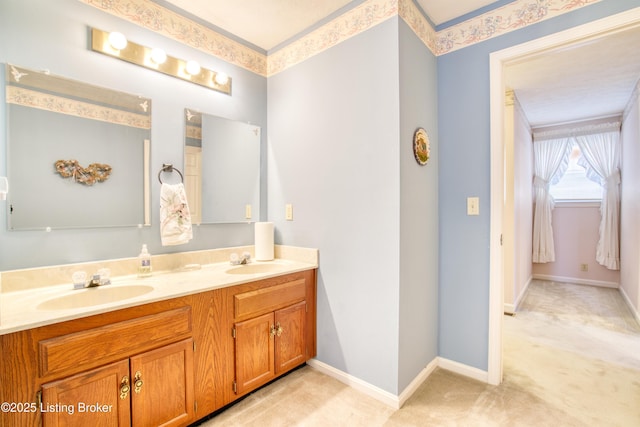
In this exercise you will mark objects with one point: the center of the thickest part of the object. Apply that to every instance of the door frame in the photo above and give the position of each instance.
(498, 60)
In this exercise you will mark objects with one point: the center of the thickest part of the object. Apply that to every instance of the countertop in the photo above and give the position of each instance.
(25, 309)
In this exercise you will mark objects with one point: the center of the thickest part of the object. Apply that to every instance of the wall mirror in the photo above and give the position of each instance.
(222, 169)
(78, 155)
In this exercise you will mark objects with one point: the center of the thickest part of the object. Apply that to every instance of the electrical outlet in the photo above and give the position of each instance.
(584, 267)
(247, 211)
(288, 212)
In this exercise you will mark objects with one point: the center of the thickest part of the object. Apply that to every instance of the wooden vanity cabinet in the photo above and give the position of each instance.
(273, 329)
(84, 371)
(151, 389)
(183, 348)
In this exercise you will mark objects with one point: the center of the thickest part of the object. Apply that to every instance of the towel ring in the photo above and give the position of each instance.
(168, 167)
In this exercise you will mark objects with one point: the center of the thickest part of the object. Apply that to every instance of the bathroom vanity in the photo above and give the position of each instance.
(196, 342)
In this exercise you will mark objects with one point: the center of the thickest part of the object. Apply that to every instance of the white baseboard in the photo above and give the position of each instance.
(524, 292)
(511, 308)
(633, 309)
(417, 382)
(383, 396)
(577, 280)
(462, 369)
(390, 399)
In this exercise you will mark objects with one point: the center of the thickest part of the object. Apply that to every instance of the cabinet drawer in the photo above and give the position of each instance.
(269, 299)
(86, 348)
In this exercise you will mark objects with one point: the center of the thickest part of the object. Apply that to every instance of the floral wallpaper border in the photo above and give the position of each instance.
(72, 107)
(353, 22)
(414, 18)
(510, 17)
(502, 20)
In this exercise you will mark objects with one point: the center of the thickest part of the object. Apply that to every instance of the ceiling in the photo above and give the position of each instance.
(267, 23)
(587, 80)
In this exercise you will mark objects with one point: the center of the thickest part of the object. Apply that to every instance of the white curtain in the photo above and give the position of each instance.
(551, 158)
(601, 159)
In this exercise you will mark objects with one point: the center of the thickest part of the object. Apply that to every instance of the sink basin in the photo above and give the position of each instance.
(94, 296)
(255, 269)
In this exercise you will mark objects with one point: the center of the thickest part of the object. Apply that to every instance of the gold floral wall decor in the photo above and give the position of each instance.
(95, 172)
(421, 149)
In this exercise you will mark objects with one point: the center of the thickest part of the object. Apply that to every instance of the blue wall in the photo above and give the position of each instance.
(53, 35)
(418, 340)
(333, 154)
(340, 150)
(464, 142)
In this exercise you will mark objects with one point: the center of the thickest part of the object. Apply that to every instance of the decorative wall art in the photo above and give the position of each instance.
(95, 172)
(421, 146)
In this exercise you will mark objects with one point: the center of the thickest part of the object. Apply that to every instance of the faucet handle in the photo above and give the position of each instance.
(104, 276)
(79, 279)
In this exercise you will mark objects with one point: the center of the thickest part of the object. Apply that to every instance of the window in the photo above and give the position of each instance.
(575, 185)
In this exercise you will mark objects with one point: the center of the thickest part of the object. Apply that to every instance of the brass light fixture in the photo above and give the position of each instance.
(116, 45)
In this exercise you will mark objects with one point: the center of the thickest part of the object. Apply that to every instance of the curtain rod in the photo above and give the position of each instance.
(611, 125)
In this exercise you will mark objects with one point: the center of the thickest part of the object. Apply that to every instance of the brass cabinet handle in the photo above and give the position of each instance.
(279, 329)
(272, 331)
(137, 382)
(124, 387)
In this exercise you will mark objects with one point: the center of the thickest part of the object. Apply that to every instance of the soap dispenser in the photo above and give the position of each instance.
(144, 262)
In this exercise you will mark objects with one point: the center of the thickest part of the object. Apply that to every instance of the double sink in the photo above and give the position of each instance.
(132, 288)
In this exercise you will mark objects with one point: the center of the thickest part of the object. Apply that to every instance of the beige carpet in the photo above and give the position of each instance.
(571, 358)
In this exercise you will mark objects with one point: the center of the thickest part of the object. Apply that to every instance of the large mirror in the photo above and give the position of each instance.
(222, 169)
(78, 155)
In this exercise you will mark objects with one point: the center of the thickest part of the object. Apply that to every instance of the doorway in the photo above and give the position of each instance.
(498, 62)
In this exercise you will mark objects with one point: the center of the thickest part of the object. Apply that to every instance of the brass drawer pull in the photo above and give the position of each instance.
(279, 329)
(137, 382)
(124, 387)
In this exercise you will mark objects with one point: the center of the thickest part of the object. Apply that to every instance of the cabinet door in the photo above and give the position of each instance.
(91, 398)
(162, 386)
(290, 345)
(254, 352)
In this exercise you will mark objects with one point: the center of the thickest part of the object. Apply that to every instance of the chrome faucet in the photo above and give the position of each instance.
(95, 281)
(102, 277)
(242, 260)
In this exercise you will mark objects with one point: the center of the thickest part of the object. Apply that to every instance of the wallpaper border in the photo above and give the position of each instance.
(497, 22)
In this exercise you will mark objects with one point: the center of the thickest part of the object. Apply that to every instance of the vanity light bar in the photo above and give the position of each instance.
(144, 56)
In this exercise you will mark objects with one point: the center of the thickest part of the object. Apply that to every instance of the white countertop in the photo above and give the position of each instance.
(19, 310)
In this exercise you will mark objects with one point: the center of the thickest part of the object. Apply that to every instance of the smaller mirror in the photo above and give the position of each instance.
(222, 169)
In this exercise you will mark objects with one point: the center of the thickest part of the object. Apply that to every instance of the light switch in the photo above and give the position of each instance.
(473, 206)
(288, 212)
(247, 211)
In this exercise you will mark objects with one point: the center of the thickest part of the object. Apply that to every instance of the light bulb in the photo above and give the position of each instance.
(117, 40)
(221, 79)
(158, 55)
(193, 67)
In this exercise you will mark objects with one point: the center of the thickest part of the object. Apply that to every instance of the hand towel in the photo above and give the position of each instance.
(175, 219)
